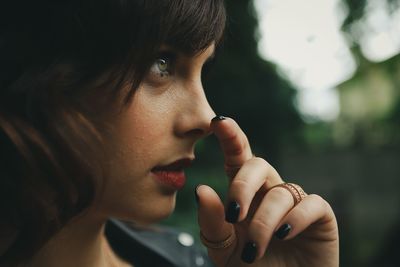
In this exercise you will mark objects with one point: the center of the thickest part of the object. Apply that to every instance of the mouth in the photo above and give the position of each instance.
(172, 175)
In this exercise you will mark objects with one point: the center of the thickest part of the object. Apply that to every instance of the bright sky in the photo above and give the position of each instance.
(303, 38)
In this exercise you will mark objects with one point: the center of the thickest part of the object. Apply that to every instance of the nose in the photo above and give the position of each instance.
(195, 116)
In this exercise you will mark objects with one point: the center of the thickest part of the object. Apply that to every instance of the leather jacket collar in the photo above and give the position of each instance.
(154, 246)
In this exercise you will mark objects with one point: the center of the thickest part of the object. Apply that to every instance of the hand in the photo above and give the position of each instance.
(270, 230)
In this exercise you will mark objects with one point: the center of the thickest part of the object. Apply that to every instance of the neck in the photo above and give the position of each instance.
(80, 243)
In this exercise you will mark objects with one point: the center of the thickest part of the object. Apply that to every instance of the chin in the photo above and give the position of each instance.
(153, 219)
(152, 213)
(161, 212)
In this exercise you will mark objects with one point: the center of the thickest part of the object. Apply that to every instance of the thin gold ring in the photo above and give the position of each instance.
(295, 190)
(218, 245)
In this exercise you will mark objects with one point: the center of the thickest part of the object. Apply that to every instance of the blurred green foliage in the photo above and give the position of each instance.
(357, 8)
(248, 89)
(245, 87)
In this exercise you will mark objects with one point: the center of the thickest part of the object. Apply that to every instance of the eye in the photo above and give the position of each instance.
(163, 65)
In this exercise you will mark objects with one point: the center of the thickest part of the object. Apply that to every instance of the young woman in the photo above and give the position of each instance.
(101, 104)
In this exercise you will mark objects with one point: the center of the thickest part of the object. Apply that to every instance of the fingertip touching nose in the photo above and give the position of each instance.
(194, 120)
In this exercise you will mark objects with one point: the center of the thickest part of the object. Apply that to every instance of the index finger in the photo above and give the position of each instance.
(234, 143)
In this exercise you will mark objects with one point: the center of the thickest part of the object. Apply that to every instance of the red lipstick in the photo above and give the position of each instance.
(172, 175)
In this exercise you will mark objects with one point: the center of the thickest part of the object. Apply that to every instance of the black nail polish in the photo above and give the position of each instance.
(249, 252)
(283, 231)
(218, 118)
(232, 212)
(196, 195)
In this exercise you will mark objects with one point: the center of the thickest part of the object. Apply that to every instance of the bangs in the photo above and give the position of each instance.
(117, 40)
(191, 26)
(188, 26)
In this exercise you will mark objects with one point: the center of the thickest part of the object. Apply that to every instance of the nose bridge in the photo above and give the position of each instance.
(197, 114)
(203, 105)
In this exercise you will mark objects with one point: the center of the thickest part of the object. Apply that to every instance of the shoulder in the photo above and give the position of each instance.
(155, 246)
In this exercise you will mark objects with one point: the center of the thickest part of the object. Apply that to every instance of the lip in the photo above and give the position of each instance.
(172, 175)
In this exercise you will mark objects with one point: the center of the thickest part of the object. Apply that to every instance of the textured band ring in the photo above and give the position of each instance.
(295, 190)
(218, 245)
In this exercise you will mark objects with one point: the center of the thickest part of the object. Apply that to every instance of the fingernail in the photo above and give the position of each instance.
(232, 212)
(196, 195)
(283, 231)
(249, 252)
(218, 118)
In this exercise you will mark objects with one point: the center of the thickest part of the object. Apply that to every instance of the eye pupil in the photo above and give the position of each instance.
(162, 64)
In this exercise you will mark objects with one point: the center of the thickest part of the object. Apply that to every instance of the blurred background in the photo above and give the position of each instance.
(316, 87)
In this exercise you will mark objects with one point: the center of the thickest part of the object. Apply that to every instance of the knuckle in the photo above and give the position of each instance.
(240, 183)
(265, 167)
(279, 193)
(263, 227)
(272, 175)
(237, 150)
(240, 189)
(320, 201)
(237, 145)
(275, 173)
(259, 160)
(301, 213)
(317, 199)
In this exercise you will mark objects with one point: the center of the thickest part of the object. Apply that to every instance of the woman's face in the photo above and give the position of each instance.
(153, 138)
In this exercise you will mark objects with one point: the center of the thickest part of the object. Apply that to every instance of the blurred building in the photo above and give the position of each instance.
(369, 105)
(357, 169)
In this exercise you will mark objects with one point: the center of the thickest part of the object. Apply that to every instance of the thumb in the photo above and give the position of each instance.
(211, 218)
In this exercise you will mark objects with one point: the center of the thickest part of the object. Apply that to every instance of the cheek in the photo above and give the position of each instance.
(140, 139)
(137, 129)
(131, 201)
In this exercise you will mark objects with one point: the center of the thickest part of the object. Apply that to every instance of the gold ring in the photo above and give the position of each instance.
(295, 190)
(218, 245)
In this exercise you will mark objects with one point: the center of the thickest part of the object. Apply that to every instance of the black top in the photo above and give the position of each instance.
(155, 246)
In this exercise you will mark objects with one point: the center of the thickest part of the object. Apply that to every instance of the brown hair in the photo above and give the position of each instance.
(61, 62)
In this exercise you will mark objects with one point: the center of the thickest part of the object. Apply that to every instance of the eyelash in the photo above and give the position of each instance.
(169, 59)
(164, 58)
